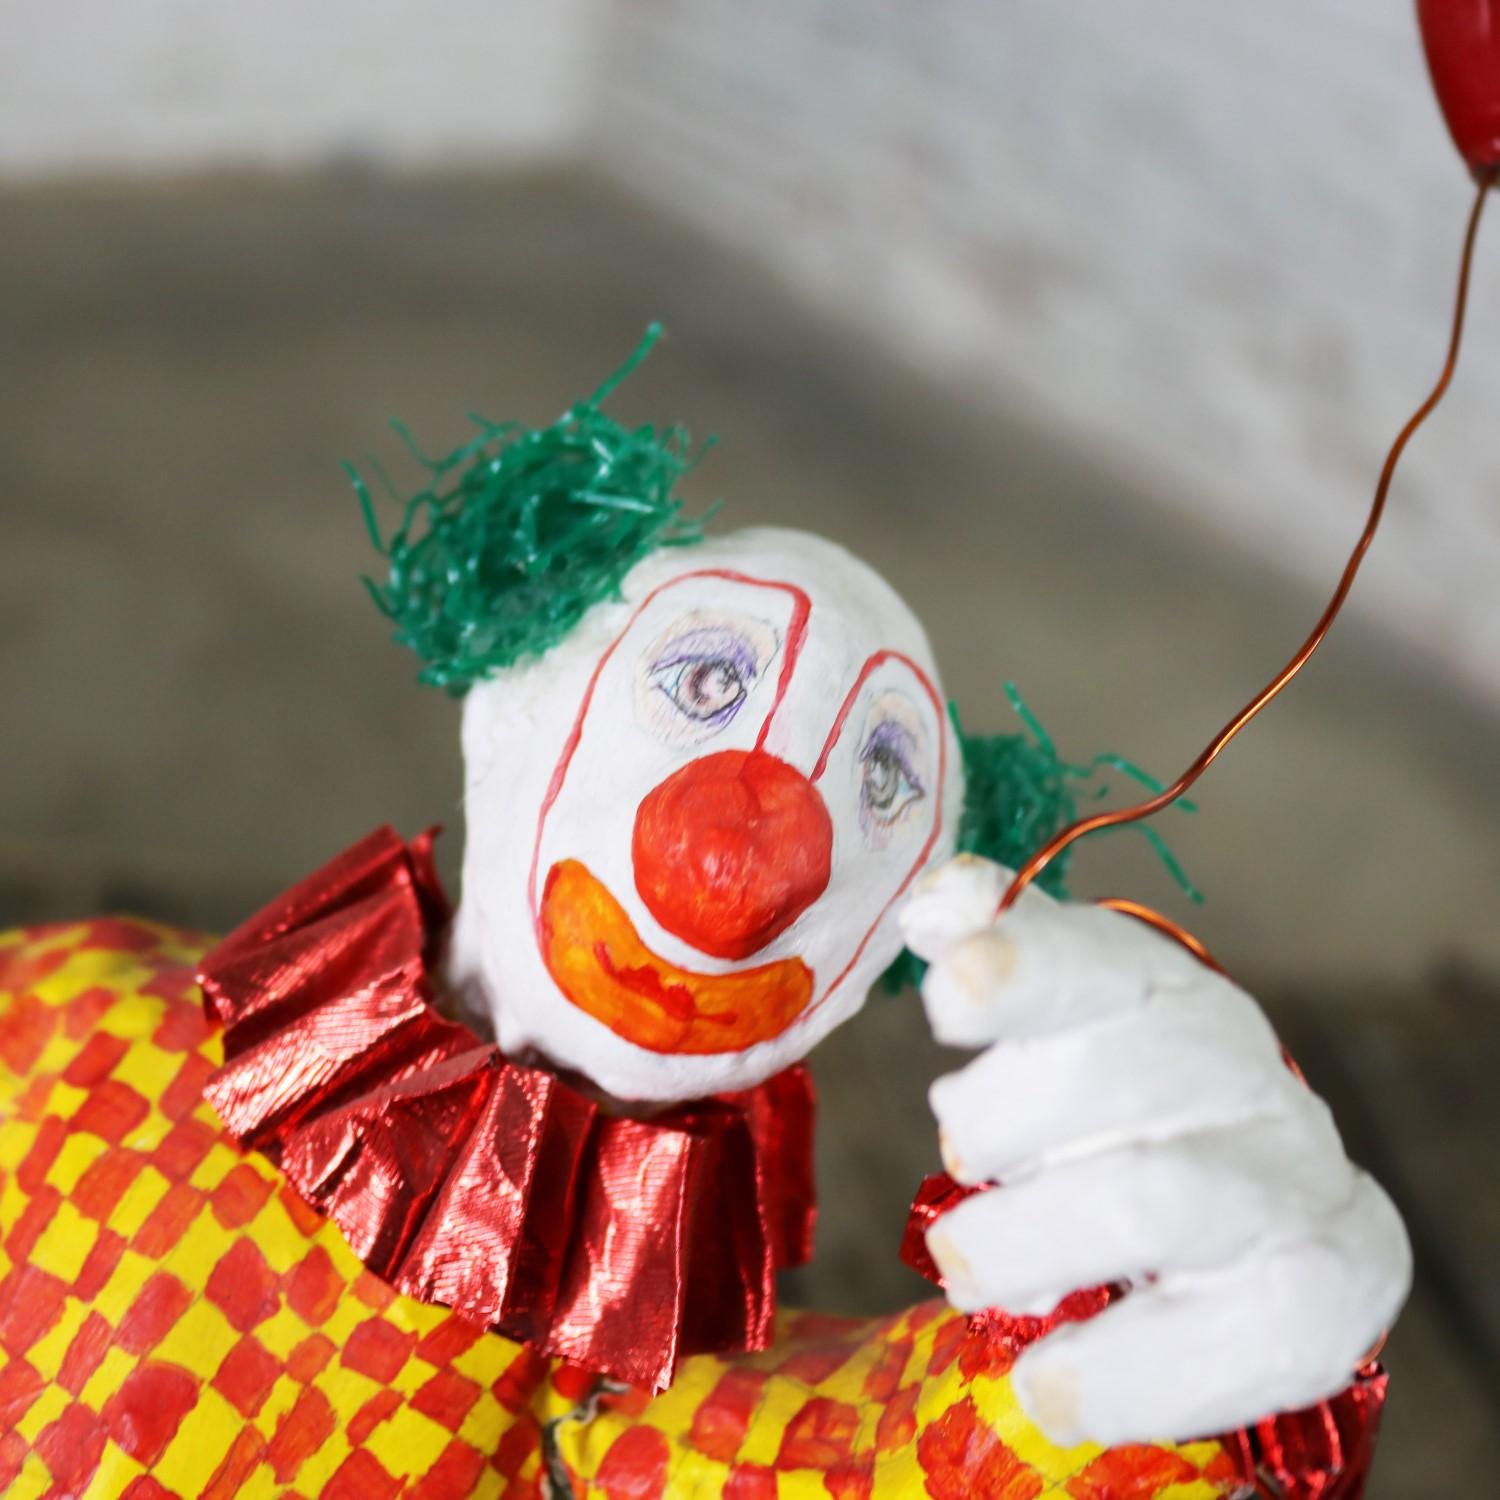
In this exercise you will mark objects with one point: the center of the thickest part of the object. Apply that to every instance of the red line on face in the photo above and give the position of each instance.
(840, 720)
(872, 664)
(796, 634)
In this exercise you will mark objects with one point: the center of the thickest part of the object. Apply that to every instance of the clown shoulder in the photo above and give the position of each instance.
(492, 1200)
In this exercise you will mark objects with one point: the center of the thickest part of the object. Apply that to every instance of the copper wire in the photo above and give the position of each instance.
(1120, 815)
(1076, 830)
(1153, 918)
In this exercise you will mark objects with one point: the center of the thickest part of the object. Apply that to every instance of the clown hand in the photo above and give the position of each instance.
(1135, 1113)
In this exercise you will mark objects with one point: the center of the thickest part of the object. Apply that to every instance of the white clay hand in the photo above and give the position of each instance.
(1137, 1111)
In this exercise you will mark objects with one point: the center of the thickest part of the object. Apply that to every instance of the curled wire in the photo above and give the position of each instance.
(1164, 798)
(1168, 795)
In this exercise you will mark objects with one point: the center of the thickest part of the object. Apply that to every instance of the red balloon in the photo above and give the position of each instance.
(1462, 38)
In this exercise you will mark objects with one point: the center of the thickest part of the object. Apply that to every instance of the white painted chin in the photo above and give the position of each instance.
(516, 727)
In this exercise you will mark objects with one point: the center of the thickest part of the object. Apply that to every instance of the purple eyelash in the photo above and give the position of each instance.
(708, 645)
(896, 740)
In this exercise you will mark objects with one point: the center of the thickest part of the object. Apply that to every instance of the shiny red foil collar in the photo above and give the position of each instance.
(462, 1178)
(1322, 1453)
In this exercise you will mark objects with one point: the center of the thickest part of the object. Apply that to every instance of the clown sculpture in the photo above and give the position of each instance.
(712, 791)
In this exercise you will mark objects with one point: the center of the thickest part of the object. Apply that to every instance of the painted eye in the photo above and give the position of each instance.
(695, 679)
(706, 690)
(888, 784)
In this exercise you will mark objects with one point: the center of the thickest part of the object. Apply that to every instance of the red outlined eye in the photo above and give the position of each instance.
(889, 783)
(694, 679)
(706, 676)
(892, 766)
(920, 714)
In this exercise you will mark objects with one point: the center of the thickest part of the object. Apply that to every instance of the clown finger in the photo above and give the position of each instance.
(1181, 1062)
(1281, 1328)
(1042, 966)
(1141, 1211)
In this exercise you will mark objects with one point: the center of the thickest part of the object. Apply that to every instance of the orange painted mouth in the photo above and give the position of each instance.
(599, 962)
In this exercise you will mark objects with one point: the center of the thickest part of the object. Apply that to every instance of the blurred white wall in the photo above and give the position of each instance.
(1212, 241)
(87, 85)
(1215, 241)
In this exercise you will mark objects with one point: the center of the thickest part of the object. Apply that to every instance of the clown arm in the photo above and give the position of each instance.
(1136, 1107)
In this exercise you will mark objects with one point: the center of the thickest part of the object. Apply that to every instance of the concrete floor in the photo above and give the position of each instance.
(204, 706)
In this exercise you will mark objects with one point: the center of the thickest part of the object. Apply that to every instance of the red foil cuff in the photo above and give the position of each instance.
(465, 1179)
(1322, 1453)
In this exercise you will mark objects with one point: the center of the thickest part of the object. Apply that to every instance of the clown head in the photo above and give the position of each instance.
(689, 823)
(699, 775)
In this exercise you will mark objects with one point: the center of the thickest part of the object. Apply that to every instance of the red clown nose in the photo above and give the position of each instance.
(1462, 38)
(731, 850)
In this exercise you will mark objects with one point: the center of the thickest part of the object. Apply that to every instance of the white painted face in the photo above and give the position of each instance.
(688, 825)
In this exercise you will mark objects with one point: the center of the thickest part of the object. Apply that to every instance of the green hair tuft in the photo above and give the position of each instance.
(1018, 792)
(521, 530)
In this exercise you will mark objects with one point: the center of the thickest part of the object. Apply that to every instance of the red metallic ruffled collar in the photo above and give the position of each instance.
(465, 1179)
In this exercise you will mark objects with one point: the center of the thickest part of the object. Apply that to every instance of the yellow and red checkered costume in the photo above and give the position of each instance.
(175, 1321)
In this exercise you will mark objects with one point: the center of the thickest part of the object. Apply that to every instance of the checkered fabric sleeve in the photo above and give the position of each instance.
(174, 1321)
